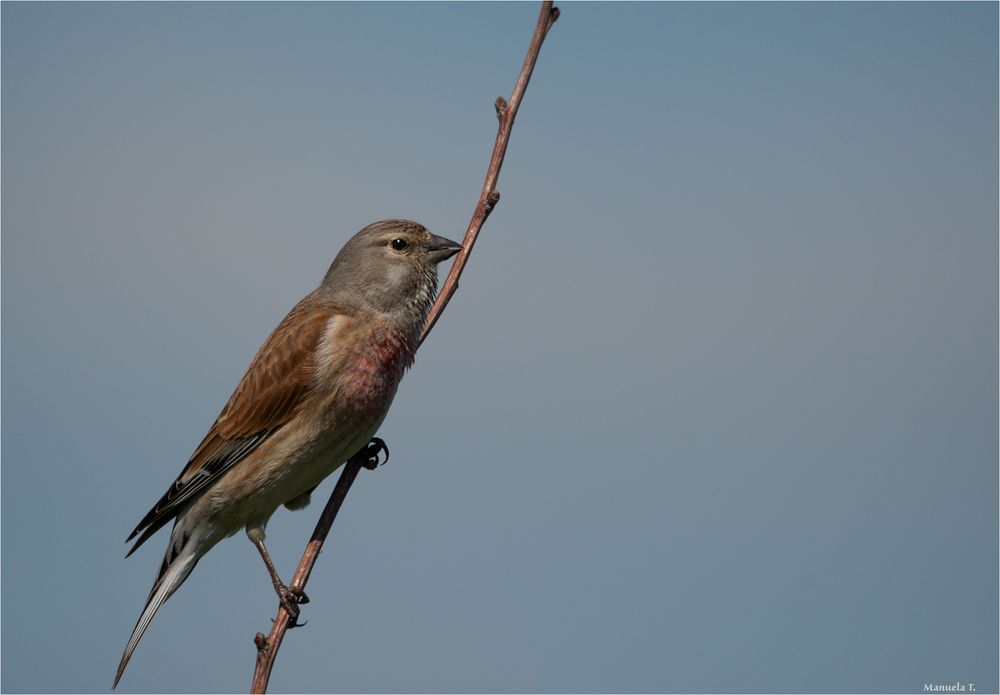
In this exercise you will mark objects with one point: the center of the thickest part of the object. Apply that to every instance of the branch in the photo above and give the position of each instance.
(506, 111)
(267, 647)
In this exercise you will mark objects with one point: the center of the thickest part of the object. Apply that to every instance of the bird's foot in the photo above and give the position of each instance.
(370, 454)
(291, 599)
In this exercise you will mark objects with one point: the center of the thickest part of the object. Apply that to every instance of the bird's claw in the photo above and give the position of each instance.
(370, 454)
(291, 599)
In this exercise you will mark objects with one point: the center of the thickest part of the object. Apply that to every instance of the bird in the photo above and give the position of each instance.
(314, 394)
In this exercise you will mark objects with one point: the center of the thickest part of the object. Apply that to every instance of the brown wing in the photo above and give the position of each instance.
(268, 396)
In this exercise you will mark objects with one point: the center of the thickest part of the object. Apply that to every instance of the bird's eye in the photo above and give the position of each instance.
(398, 244)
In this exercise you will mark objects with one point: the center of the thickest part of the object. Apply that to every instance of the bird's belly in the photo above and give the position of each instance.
(293, 462)
(304, 472)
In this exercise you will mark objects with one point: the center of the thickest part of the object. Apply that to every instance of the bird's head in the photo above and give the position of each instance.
(390, 266)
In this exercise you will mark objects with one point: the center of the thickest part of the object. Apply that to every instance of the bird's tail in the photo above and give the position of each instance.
(179, 560)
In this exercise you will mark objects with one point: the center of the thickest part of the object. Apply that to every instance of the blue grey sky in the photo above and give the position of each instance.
(715, 408)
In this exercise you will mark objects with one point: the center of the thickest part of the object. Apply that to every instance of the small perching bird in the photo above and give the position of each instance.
(314, 395)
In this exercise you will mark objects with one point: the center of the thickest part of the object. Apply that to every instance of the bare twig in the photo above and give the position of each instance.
(267, 647)
(506, 111)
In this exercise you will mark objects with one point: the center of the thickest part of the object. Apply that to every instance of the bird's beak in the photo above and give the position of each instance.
(442, 249)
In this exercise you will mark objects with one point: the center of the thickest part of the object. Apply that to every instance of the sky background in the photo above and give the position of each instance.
(715, 408)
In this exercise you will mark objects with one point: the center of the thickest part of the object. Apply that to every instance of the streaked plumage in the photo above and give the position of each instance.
(315, 393)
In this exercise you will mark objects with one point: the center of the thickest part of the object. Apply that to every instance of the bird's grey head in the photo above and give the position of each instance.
(390, 266)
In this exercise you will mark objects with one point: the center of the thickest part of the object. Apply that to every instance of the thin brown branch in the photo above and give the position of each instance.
(267, 647)
(506, 112)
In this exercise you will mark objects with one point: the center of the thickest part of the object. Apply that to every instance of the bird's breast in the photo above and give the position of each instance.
(362, 364)
(378, 372)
